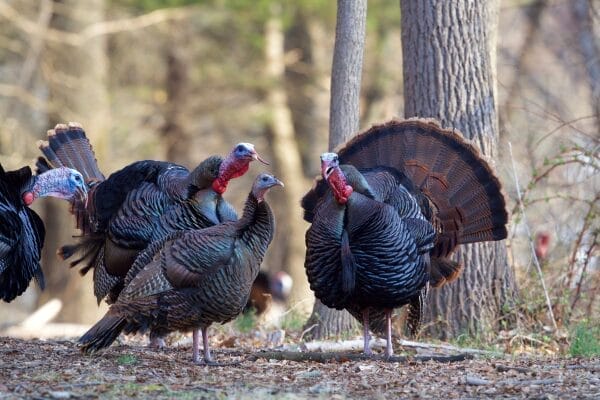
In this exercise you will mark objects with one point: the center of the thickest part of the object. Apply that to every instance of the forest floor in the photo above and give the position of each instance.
(55, 369)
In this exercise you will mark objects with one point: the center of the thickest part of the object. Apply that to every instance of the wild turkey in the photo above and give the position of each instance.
(192, 279)
(392, 206)
(267, 289)
(22, 231)
(138, 204)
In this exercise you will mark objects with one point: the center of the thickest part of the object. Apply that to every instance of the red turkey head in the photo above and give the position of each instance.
(235, 165)
(330, 169)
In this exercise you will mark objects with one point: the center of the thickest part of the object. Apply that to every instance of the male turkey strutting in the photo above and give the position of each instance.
(22, 231)
(392, 206)
(138, 204)
(192, 279)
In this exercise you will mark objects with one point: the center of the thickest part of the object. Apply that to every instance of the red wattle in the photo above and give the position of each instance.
(240, 171)
(341, 190)
(28, 198)
(219, 186)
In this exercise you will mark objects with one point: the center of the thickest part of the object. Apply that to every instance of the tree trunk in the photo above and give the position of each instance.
(583, 13)
(76, 81)
(288, 164)
(450, 74)
(344, 116)
(176, 81)
(534, 16)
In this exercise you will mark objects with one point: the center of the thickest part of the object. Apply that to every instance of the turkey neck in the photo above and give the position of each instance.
(256, 225)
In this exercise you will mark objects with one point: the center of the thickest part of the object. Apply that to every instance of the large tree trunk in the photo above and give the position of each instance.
(344, 116)
(76, 80)
(288, 165)
(449, 74)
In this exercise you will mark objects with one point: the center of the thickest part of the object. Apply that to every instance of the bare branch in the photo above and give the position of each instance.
(22, 95)
(77, 39)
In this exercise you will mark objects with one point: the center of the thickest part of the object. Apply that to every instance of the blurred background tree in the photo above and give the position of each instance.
(180, 80)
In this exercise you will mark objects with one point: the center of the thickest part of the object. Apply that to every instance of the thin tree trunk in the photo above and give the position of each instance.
(590, 49)
(176, 82)
(76, 80)
(288, 163)
(450, 74)
(343, 123)
(534, 13)
(13, 110)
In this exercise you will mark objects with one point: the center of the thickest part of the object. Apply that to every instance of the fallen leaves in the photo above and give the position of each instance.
(56, 369)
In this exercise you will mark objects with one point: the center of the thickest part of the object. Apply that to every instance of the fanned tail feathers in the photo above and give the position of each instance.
(446, 168)
(461, 187)
(68, 146)
(443, 270)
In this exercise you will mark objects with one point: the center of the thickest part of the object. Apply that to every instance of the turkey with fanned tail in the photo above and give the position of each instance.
(22, 231)
(392, 205)
(141, 203)
(191, 279)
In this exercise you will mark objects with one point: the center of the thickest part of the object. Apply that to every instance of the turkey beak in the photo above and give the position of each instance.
(326, 169)
(256, 157)
(278, 183)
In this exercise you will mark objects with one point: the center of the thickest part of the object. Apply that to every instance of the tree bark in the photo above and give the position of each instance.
(76, 81)
(176, 81)
(288, 165)
(450, 75)
(344, 117)
(589, 49)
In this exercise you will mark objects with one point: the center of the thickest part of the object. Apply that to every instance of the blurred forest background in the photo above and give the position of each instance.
(180, 80)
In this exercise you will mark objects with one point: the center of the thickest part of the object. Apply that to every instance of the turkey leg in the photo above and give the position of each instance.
(389, 351)
(366, 335)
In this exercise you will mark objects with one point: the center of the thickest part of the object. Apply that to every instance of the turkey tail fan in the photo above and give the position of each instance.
(443, 270)
(103, 333)
(68, 146)
(446, 168)
(42, 165)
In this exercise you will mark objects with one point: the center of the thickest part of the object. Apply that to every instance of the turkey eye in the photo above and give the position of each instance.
(264, 178)
(239, 148)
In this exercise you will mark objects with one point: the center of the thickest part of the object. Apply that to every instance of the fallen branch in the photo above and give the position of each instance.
(409, 343)
(328, 346)
(345, 357)
(506, 368)
(357, 344)
(476, 381)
